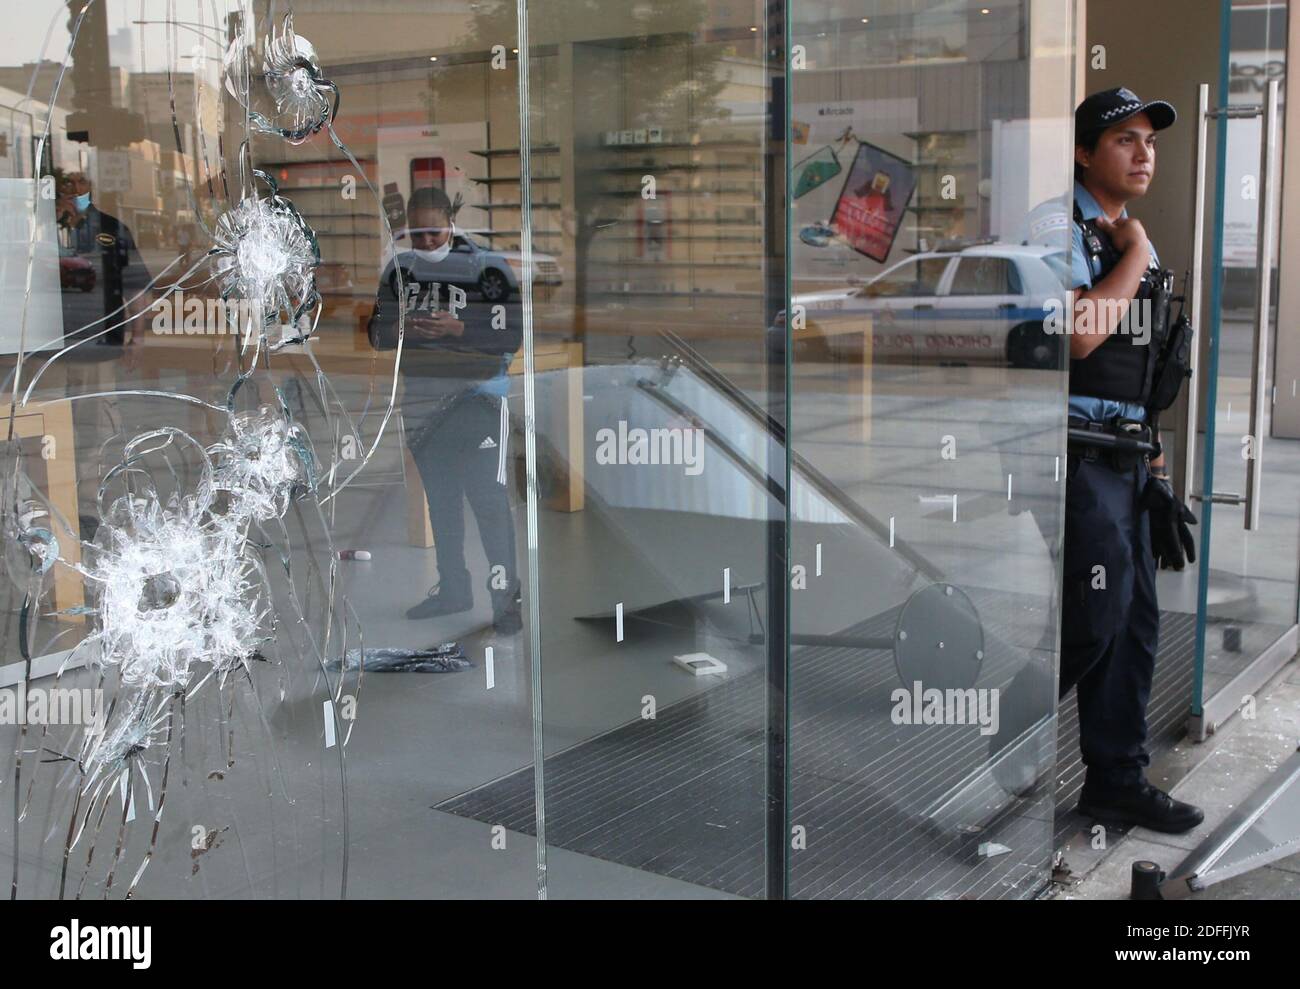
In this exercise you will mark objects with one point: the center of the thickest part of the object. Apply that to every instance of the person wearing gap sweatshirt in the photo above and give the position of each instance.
(455, 356)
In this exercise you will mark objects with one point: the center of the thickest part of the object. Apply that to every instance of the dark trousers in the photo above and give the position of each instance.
(456, 465)
(1110, 621)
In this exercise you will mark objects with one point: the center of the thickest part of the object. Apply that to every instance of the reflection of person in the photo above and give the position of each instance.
(454, 362)
(98, 249)
(103, 282)
(1115, 499)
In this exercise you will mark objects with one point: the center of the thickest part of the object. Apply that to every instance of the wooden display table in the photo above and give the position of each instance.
(59, 485)
(547, 357)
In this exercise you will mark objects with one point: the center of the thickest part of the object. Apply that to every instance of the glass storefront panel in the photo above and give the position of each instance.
(659, 472)
(929, 227)
(254, 515)
(510, 449)
(1249, 569)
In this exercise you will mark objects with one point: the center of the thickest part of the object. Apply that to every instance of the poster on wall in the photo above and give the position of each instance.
(873, 201)
(824, 136)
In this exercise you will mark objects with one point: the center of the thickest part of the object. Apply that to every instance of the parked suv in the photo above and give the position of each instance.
(493, 274)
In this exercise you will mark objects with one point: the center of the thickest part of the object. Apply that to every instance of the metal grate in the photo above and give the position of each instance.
(683, 795)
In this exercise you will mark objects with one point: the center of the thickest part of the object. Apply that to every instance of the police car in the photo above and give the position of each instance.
(965, 303)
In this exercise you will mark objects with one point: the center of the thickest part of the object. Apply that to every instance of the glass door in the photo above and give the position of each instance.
(655, 468)
(1246, 481)
(929, 203)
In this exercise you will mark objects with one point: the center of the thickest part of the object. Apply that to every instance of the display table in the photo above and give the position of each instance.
(39, 420)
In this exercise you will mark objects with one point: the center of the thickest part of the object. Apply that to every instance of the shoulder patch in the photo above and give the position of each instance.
(1046, 224)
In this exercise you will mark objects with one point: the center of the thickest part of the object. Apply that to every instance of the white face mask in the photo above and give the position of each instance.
(438, 253)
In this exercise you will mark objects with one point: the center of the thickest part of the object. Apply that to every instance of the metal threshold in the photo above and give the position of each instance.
(1263, 830)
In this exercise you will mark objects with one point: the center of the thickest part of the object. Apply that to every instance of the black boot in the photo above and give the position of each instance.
(1141, 804)
(449, 596)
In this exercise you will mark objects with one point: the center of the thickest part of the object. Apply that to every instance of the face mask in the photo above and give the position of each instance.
(437, 254)
(83, 202)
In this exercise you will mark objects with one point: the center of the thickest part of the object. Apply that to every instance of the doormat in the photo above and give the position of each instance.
(682, 796)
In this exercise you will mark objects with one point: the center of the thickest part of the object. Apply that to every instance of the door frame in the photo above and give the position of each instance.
(1207, 714)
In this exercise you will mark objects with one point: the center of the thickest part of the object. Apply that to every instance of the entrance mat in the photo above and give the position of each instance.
(683, 795)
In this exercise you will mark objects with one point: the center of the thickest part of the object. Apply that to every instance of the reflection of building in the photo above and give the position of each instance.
(144, 181)
(131, 180)
(22, 121)
(150, 95)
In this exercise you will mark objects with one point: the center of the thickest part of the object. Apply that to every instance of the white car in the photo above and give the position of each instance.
(985, 303)
(494, 274)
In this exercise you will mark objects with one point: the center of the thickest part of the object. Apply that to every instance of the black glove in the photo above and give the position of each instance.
(1171, 540)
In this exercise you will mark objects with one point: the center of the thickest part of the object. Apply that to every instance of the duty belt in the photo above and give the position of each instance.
(1119, 443)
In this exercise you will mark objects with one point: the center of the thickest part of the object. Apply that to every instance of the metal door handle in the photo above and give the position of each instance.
(1198, 263)
(1260, 392)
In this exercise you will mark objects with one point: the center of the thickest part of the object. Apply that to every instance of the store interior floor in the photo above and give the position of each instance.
(422, 739)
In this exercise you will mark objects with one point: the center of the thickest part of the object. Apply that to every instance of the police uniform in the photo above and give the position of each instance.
(1110, 619)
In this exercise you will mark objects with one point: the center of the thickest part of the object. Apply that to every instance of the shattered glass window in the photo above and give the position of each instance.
(217, 472)
(398, 478)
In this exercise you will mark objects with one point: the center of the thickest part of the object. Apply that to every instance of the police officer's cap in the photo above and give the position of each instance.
(1112, 106)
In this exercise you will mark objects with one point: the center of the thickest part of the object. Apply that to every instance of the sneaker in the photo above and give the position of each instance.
(1144, 805)
(443, 601)
(507, 618)
(507, 623)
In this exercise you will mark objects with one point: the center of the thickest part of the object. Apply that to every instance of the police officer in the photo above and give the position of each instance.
(1122, 516)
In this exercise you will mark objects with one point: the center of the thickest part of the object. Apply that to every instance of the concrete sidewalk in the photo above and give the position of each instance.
(1225, 770)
